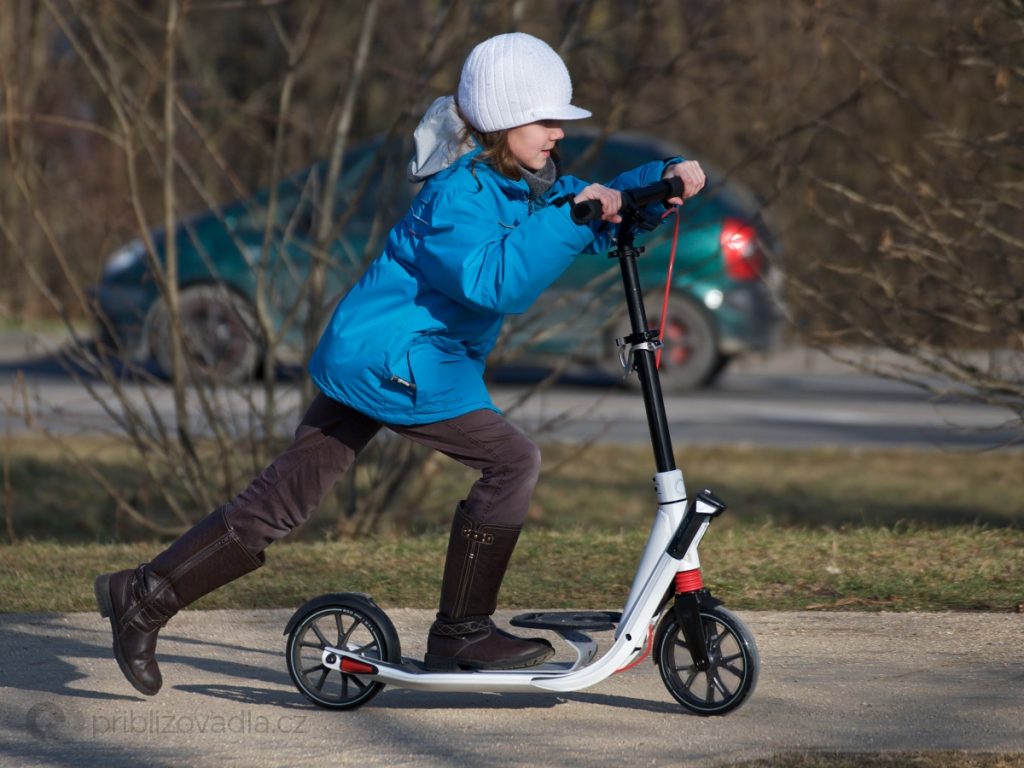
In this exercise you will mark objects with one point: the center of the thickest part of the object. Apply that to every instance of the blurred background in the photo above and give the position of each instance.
(867, 166)
(882, 141)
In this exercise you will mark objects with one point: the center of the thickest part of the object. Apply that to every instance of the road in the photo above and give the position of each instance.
(829, 681)
(794, 398)
(796, 409)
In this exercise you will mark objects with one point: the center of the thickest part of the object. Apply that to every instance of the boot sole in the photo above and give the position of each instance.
(436, 663)
(101, 588)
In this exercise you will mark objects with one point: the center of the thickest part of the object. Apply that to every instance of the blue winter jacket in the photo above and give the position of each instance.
(407, 344)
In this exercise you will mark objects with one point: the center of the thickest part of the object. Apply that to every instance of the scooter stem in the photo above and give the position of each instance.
(643, 355)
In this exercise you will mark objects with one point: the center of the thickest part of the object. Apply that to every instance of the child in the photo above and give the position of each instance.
(405, 349)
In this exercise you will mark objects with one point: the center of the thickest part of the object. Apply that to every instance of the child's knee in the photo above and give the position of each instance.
(524, 461)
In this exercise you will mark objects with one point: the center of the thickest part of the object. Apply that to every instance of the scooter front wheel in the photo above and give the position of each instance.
(732, 675)
(348, 622)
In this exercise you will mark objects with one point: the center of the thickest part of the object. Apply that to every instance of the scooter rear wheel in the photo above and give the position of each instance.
(735, 663)
(348, 624)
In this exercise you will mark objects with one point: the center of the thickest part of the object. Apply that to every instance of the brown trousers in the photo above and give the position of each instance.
(330, 437)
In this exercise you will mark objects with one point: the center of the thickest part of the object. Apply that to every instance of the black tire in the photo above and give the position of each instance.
(349, 622)
(221, 334)
(735, 663)
(689, 358)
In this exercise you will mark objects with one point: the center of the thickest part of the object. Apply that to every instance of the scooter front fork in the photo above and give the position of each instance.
(691, 597)
(688, 607)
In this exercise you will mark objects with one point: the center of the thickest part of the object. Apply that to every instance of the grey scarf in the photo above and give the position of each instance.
(540, 181)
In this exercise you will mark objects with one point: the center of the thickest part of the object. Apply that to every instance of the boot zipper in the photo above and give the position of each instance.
(166, 581)
(468, 573)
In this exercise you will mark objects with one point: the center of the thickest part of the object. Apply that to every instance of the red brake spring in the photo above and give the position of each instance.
(689, 581)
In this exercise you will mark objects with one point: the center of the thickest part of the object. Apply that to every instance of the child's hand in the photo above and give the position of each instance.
(610, 200)
(691, 174)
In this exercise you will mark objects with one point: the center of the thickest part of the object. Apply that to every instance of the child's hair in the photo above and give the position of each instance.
(495, 150)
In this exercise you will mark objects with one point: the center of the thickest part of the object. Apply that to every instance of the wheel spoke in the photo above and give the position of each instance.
(341, 631)
(717, 684)
(714, 637)
(361, 650)
(738, 671)
(693, 676)
(319, 634)
(709, 697)
(312, 669)
(344, 640)
(320, 683)
(359, 683)
(307, 644)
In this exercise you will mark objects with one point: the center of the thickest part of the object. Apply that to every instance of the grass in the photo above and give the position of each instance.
(816, 529)
(750, 567)
(603, 488)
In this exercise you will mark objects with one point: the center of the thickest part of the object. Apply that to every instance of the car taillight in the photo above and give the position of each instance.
(743, 257)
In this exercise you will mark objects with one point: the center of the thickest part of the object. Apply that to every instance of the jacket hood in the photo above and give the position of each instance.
(439, 140)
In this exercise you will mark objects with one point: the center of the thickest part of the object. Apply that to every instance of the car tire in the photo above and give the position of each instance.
(221, 335)
(689, 358)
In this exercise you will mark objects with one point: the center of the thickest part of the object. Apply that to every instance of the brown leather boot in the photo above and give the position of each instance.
(463, 636)
(140, 601)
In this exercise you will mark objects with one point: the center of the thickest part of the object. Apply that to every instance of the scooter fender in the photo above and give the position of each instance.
(331, 598)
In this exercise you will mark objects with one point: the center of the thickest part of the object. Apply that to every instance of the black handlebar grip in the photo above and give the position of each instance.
(586, 212)
(659, 191)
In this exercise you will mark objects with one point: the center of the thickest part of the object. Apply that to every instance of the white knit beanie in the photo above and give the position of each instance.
(512, 80)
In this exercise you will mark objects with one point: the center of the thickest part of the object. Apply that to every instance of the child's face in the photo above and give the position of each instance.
(531, 144)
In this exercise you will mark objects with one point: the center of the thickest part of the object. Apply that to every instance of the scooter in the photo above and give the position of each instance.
(343, 649)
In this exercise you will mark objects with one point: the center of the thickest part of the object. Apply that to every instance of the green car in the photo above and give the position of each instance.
(719, 305)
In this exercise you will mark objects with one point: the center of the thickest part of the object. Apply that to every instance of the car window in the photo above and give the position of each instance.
(291, 209)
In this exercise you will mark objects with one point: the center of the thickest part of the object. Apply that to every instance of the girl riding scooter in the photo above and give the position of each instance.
(405, 349)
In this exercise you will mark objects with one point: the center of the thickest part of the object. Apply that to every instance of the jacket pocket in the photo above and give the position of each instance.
(397, 374)
(437, 369)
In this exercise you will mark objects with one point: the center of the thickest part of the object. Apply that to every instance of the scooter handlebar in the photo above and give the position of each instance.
(659, 191)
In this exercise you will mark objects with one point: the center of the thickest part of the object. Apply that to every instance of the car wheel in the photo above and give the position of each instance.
(220, 333)
(689, 358)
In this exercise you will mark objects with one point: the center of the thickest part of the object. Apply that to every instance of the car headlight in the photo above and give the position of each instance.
(713, 298)
(124, 258)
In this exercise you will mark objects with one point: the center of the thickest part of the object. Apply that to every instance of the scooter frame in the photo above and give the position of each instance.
(669, 565)
(658, 569)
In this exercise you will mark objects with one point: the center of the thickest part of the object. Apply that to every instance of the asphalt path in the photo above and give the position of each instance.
(794, 398)
(829, 681)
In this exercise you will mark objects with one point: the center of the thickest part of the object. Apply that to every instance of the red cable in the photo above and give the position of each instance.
(668, 283)
(644, 655)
